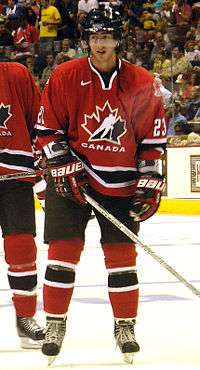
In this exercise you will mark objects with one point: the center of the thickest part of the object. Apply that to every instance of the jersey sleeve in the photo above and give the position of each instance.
(27, 93)
(151, 127)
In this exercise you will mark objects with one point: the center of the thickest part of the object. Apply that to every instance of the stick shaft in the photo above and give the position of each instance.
(135, 239)
(19, 175)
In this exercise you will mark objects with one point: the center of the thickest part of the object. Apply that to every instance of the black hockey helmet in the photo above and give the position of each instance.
(107, 20)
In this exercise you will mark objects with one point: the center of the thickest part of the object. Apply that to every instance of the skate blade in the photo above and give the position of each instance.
(28, 343)
(128, 357)
(51, 359)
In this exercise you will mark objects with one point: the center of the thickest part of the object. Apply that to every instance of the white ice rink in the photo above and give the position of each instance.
(168, 326)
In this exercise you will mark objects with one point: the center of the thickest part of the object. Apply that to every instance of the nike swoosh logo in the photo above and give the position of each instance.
(84, 83)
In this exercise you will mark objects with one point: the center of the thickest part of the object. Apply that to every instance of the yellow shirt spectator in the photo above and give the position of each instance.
(50, 18)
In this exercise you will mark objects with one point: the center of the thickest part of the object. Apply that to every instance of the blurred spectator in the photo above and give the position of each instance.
(191, 33)
(179, 64)
(50, 19)
(25, 35)
(16, 8)
(132, 12)
(6, 39)
(158, 62)
(35, 6)
(32, 17)
(166, 94)
(147, 21)
(140, 36)
(197, 34)
(158, 47)
(68, 13)
(66, 49)
(59, 59)
(192, 52)
(174, 117)
(30, 64)
(184, 86)
(182, 128)
(193, 105)
(182, 12)
(3, 56)
(48, 69)
(84, 6)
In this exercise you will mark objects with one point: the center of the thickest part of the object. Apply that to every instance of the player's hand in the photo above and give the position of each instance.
(69, 177)
(146, 199)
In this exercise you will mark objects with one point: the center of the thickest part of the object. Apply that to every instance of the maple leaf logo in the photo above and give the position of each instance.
(4, 115)
(104, 124)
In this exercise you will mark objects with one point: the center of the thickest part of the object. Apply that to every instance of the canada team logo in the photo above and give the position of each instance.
(105, 124)
(5, 115)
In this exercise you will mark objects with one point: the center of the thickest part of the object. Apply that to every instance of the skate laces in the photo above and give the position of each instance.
(55, 331)
(28, 324)
(124, 332)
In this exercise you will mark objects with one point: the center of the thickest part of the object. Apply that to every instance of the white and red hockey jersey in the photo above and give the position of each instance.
(108, 128)
(19, 106)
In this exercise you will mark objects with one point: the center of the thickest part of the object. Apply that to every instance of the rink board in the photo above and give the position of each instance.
(170, 206)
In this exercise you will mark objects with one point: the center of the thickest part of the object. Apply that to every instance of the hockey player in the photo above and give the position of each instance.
(19, 105)
(101, 123)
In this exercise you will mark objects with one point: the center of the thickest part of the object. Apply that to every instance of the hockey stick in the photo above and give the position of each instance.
(135, 239)
(20, 175)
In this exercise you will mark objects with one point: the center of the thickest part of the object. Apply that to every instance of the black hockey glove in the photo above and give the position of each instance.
(69, 176)
(147, 197)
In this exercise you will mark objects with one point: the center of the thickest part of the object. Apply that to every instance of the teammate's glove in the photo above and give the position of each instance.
(146, 199)
(69, 176)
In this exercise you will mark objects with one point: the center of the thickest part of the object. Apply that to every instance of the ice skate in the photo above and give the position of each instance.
(30, 333)
(125, 339)
(55, 333)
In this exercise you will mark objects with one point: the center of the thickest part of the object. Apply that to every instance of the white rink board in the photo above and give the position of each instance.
(168, 327)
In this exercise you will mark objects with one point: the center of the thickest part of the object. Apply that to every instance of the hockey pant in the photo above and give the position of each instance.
(20, 255)
(120, 261)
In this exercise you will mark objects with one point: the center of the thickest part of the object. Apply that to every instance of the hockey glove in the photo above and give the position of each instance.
(147, 197)
(69, 176)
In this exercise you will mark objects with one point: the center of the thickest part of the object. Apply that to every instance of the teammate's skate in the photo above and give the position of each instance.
(125, 339)
(30, 333)
(54, 336)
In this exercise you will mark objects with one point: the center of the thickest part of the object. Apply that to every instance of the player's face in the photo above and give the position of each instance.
(102, 46)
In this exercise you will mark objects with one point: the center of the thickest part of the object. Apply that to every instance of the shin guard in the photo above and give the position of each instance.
(63, 257)
(20, 255)
(120, 261)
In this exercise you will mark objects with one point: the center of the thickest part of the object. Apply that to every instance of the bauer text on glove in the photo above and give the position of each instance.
(146, 199)
(69, 176)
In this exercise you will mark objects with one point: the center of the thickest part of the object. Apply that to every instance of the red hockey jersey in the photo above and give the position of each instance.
(19, 106)
(108, 128)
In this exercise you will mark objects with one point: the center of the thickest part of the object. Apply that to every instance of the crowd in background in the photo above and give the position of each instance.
(163, 36)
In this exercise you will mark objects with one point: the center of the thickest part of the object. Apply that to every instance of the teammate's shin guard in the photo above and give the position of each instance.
(20, 254)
